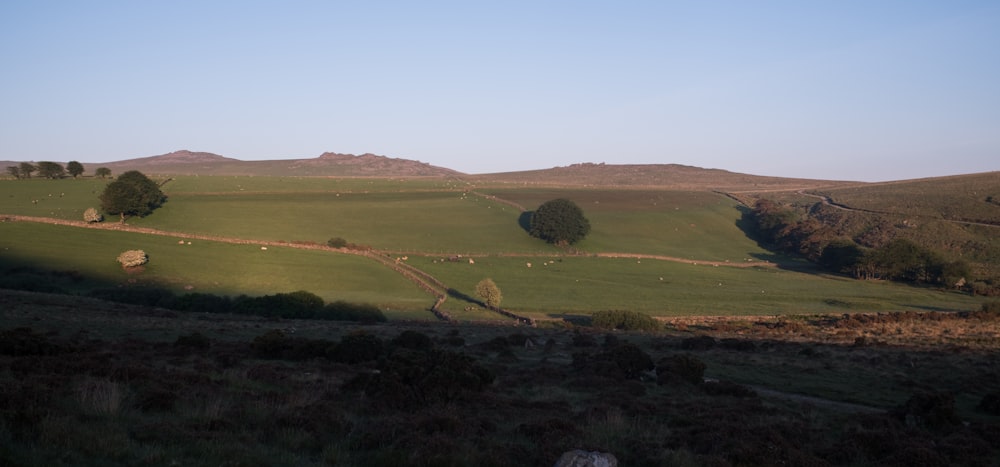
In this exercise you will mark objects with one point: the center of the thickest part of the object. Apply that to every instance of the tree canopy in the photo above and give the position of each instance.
(74, 168)
(487, 290)
(132, 194)
(103, 172)
(51, 169)
(559, 221)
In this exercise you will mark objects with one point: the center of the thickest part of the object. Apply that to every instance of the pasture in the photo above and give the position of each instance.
(557, 287)
(430, 221)
(209, 267)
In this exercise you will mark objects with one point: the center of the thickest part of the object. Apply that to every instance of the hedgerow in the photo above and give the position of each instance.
(625, 320)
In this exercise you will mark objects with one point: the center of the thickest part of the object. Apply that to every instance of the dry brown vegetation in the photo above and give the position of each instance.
(87, 382)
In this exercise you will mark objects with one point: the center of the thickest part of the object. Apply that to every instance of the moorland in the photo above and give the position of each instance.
(761, 356)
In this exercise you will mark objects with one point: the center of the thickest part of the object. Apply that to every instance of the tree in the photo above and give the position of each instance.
(14, 171)
(103, 172)
(132, 194)
(841, 255)
(74, 168)
(487, 290)
(559, 221)
(51, 169)
(27, 169)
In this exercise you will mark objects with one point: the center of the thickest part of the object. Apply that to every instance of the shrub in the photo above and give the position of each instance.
(346, 311)
(357, 347)
(698, 343)
(133, 258)
(413, 340)
(194, 341)
(933, 410)
(336, 242)
(148, 296)
(625, 320)
(91, 215)
(408, 378)
(990, 403)
(685, 368)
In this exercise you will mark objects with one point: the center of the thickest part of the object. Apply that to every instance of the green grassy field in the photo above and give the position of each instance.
(210, 267)
(582, 285)
(431, 220)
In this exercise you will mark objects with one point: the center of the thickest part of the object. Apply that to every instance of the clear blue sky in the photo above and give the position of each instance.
(860, 90)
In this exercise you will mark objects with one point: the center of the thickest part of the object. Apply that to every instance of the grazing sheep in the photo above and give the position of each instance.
(263, 248)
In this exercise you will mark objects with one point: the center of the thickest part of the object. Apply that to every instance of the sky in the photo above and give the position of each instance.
(865, 90)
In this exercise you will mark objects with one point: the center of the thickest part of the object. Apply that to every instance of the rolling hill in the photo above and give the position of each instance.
(328, 164)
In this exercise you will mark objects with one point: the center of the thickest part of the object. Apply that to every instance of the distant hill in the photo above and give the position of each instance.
(653, 175)
(328, 164)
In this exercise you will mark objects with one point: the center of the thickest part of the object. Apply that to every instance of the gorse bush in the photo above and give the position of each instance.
(625, 320)
(133, 258)
(92, 215)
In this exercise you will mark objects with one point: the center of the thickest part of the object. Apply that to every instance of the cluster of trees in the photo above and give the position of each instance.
(897, 259)
(53, 170)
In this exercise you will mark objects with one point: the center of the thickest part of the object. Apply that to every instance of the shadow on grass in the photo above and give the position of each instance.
(524, 220)
(465, 298)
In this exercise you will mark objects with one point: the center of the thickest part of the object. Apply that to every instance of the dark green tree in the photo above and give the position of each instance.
(559, 221)
(51, 169)
(132, 194)
(103, 172)
(27, 169)
(841, 255)
(74, 168)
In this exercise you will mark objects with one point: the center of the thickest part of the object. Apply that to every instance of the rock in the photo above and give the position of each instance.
(581, 458)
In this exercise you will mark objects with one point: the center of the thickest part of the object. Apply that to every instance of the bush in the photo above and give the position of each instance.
(133, 258)
(933, 410)
(194, 341)
(336, 242)
(346, 311)
(409, 378)
(684, 368)
(625, 320)
(91, 215)
(990, 404)
(413, 340)
(148, 296)
(357, 347)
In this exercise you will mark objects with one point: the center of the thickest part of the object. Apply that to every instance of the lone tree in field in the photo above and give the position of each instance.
(133, 194)
(103, 172)
(487, 290)
(559, 221)
(14, 171)
(74, 168)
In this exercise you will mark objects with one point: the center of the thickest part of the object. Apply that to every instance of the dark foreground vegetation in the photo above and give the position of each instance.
(86, 382)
